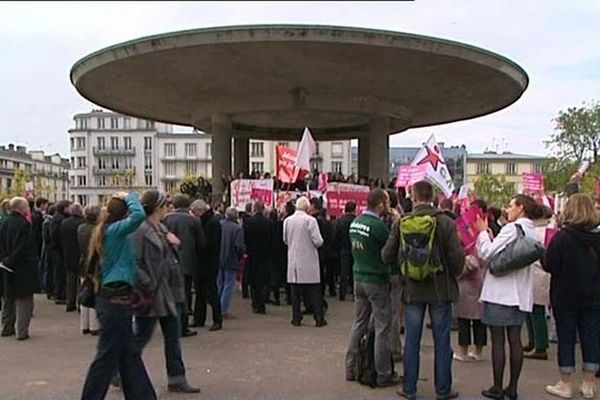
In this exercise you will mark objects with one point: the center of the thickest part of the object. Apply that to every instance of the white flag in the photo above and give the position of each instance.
(437, 172)
(306, 150)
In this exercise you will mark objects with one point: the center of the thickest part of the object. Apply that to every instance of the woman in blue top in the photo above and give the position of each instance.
(117, 350)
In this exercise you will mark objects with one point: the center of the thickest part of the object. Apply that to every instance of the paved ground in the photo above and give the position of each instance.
(254, 357)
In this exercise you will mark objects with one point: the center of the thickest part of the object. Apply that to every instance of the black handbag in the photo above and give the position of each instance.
(518, 254)
(87, 292)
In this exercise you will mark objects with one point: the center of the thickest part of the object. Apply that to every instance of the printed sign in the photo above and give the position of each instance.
(465, 225)
(244, 191)
(533, 182)
(338, 194)
(409, 174)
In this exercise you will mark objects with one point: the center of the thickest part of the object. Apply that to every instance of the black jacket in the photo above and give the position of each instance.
(37, 219)
(69, 242)
(17, 253)
(55, 240)
(191, 233)
(574, 267)
(342, 233)
(84, 236)
(258, 236)
(327, 250)
(209, 261)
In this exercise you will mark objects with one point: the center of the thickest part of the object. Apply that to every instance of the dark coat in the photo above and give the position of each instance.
(210, 255)
(232, 244)
(279, 260)
(327, 250)
(17, 253)
(55, 240)
(258, 236)
(37, 219)
(84, 236)
(341, 234)
(69, 241)
(191, 233)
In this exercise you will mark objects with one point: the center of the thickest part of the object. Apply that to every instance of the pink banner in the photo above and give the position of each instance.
(533, 182)
(338, 194)
(409, 174)
(264, 195)
(465, 224)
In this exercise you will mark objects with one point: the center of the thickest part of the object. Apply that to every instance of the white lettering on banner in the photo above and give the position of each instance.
(241, 192)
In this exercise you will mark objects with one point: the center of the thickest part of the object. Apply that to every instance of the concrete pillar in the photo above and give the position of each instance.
(379, 128)
(241, 156)
(363, 155)
(220, 130)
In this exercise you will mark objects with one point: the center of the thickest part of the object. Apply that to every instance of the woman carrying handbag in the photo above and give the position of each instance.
(507, 298)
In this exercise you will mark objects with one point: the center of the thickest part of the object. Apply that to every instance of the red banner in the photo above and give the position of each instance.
(263, 195)
(285, 164)
(338, 194)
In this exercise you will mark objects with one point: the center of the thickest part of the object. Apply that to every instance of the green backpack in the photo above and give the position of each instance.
(420, 256)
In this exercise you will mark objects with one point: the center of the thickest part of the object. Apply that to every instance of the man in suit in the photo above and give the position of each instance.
(58, 258)
(71, 252)
(342, 241)
(37, 219)
(208, 267)
(17, 254)
(258, 236)
(189, 230)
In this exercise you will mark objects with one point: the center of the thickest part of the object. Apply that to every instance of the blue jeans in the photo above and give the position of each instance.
(116, 351)
(171, 330)
(441, 322)
(568, 322)
(226, 286)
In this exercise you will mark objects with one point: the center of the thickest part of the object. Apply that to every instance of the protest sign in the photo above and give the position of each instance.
(245, 191)
(409, 174)
(338, 194)
(533, 182)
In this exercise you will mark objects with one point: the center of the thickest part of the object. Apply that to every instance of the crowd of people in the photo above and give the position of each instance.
(162, 260)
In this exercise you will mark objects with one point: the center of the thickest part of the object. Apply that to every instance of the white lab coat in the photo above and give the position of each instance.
(302, 236)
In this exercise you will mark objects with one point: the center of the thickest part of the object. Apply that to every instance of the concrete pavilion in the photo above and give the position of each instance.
(270, 81)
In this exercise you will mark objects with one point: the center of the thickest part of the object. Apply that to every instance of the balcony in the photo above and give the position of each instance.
(108, 171)
(121, 151)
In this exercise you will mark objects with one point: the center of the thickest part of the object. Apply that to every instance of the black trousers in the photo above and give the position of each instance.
(346, 281)
(71, 288)
(259, 278)
(207, 293)
(60, 274)
(186, 309)
(312, 294)
(331, 272)
(464, 332)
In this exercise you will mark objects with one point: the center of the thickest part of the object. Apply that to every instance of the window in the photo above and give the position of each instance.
(73, 144)
(115, 162)
(127, 142)
(80, 162)
(170, 150)
(170, 169)
(101, 164)
(101, 180)
(127, 163)
(101, 143)
(114, 123)
(537, 168)
(511, 168)
(258, 166)
(191, 168)
(208, 147)
(169, 186)
(284, 144)
(81, 180)
(83, 123)
(114, 142)
(337, 150)
(190, 150)
(81, 143)
(147, 143)
(82, 199)
(257, 150)
(126, 123)
(148, 180)
(149, 124)
(336, 166)
(147, 162)
(317, 152)
(483, 168)
(100, 122)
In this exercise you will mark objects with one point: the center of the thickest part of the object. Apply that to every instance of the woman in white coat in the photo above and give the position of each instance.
(301, 235)
(507, 299)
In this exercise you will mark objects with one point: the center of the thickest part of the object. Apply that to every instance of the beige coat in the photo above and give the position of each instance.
(301, 235)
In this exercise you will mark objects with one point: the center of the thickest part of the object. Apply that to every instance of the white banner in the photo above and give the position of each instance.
(242, 189)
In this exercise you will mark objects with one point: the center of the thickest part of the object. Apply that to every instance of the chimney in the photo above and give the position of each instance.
(21, 149)
(11, 147)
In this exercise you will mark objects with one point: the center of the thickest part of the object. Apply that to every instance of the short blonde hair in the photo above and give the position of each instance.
(302, 204)
(580, 212)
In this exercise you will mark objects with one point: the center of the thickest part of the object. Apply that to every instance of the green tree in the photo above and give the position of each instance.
(17, 187)
(577, 133)
(494, 189)
(557, 172)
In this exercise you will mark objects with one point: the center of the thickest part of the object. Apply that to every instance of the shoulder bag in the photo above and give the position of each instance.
(518, 254)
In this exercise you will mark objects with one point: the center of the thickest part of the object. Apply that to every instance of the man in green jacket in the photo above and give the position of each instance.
(437, 293)
(368, 234)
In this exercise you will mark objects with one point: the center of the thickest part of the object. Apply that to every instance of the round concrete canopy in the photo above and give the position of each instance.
(273, 80)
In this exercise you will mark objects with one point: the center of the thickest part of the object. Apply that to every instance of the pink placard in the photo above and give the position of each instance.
(550, 232)
(533, 182)
(409, 174)
(465, 224)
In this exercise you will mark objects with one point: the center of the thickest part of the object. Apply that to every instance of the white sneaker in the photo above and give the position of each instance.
(587, 390)
(459, 357)
(561, 389)
(473, 356)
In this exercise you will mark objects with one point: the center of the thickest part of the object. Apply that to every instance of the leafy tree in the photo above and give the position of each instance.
(557, 172)
(494, 189)
(17, 187)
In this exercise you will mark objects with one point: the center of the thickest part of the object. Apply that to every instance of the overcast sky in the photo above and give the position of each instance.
(556, 42)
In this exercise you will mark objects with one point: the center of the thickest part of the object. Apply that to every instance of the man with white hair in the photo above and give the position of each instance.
(302, 236)
(72, 252)
(19, 256)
